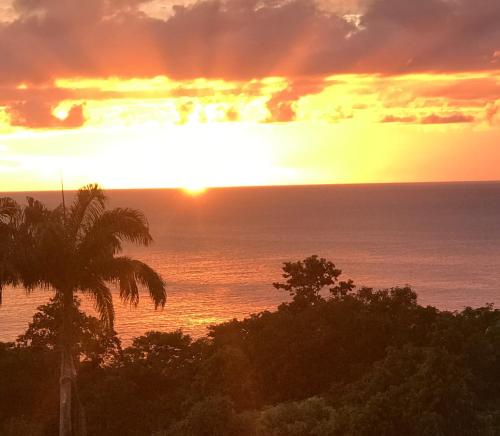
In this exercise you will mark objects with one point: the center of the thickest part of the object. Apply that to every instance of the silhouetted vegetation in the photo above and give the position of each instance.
(74, 250)
(336, 360)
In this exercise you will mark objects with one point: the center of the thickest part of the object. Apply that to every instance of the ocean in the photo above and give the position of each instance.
(221, 251)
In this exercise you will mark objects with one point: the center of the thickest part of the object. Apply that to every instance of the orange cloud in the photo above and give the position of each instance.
(245, 39)
(415, 98)
(492, 112)
(37, 114)
(434, 118)
(399, 119)
(281, 105)
(454, 118)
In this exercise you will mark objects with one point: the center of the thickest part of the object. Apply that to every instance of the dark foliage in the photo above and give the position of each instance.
(344, 362)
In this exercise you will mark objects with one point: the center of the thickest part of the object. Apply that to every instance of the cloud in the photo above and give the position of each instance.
(184, 111)
(281, 111)
(492, 112)
(429, 35)
(399, 119)
(338, 114)
(38, 114)
(433, 118)
(454, 118)
(464, 89)
(244, 39)
(9, 95)
(232, 115)
(281, 105)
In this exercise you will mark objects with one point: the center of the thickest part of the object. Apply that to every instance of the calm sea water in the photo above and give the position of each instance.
(220, 251)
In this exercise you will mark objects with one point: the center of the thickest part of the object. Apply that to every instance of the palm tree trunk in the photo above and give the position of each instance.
(80, 427)
(68, 372)
(65, 391)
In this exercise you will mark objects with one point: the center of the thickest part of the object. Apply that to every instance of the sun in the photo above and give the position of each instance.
(194, 189)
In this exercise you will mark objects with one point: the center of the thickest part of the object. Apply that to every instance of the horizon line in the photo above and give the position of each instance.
(293, 185)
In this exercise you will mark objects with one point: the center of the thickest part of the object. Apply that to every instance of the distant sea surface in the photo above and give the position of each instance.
(221, 251)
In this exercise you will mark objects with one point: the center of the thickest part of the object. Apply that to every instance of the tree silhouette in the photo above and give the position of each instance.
(75, 251)
(306, 278)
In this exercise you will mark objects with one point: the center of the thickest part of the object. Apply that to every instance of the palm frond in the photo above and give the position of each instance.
(87, 207)
(35, 213)
(101, 296)
(9, 209)
(152, 281)
(11, 245)
(22, 248)
(129, 274)
(107, 232)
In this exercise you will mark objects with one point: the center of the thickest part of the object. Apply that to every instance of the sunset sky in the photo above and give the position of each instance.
(177, 93)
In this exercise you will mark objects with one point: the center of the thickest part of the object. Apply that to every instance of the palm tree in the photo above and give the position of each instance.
(75, 250)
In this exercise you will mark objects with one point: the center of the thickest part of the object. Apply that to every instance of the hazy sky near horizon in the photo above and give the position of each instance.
(173, 93)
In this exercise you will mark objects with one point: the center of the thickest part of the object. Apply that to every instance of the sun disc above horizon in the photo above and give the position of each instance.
(194, 189)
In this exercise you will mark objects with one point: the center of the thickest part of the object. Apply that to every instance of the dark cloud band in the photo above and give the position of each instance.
(242, 39)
